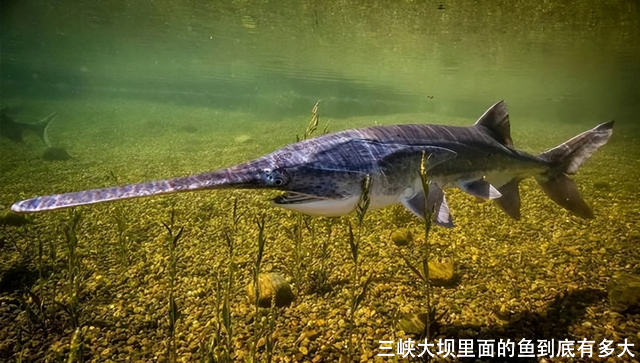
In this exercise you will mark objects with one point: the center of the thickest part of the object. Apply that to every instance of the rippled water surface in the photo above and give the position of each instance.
(561, 61)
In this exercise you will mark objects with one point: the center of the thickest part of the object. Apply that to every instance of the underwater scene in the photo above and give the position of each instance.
(240, 190)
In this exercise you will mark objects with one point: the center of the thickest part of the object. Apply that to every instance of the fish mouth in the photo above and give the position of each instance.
(296, 198)
(316, 205)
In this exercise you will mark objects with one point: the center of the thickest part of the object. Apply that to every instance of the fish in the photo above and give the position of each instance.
(324, 176)
(14, 131)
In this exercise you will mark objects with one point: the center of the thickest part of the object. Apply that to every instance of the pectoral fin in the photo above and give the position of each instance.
(479, 188)
(415, 204)
(436, 203)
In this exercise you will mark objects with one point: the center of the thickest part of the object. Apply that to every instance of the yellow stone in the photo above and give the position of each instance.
(401, 237)
(270, 285)
(624, 291)
(441, 273)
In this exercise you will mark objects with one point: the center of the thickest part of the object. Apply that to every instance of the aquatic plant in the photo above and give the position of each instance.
(312, 126)
(216, 349)
(40, 257)
(318, 275)
(297, 269)
(36, 310)
(358, 290)
(272, 317)
(220, 346)
(422, 324)
(262, 328)
(76, 346)
(121, 218)
(122, 228)
(309, 267)
(38, 302)
(15, 227)
(10, 238)
(173, 310)
(74, 268)
(226, 309)
(426, 252)
(256, 288)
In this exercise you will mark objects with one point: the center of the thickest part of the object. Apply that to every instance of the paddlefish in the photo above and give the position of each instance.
(14, 131)
(324, 175)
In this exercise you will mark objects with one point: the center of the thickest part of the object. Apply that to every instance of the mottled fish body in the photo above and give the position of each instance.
(324, 175)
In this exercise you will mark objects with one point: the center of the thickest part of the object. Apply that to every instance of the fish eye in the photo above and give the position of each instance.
(275, 177)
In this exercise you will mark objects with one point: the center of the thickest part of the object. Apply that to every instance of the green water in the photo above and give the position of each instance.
(150, 90)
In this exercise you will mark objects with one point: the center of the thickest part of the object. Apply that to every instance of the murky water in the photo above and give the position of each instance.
(554, 60)
(153, 89)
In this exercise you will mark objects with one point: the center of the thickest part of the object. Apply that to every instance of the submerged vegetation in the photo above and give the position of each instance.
(111, 282)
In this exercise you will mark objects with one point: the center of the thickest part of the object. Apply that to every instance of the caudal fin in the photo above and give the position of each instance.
(41, 128)
(565, 159)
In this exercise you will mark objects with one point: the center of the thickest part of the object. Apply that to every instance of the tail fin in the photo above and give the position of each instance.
(565, 159)
(41, 127)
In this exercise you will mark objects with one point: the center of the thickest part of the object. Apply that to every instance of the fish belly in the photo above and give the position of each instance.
(324, 207)
(339, 207)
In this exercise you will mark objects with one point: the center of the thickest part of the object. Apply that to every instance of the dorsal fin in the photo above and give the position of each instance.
(496, 119)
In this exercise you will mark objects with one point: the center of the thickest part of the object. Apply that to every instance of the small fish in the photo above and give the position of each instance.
(14, 130)
(324, 175)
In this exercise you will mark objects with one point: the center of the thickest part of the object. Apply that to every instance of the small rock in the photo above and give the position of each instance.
(313, 335)
(270, 285)
(441, 273)
(401, 237)
(413, 323)
(106, 353)
(624, 292)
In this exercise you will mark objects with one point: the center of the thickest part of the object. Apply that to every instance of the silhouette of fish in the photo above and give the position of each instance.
(324, 175)
(14, 131)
